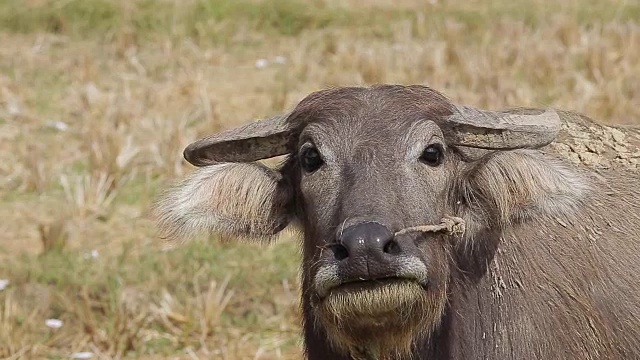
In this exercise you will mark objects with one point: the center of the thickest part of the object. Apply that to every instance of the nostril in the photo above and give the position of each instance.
(339, 252)
(392, 248)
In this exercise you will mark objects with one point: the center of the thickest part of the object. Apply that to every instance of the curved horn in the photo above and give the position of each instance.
(254, 141)
(501, 130)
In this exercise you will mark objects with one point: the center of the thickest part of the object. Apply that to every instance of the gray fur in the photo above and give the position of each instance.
(547, 267)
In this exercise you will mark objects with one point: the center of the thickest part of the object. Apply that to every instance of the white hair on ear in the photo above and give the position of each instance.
(518, 185)
(237, 199)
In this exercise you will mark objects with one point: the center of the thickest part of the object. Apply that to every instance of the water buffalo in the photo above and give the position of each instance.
(434, 230)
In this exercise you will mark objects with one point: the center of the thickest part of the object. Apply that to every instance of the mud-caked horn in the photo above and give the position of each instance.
(501, 130)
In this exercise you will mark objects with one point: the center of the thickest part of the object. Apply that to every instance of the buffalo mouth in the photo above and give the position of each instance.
(382, 315)
(330, 279)
(374, 304)
(365, 285)
(374, 299)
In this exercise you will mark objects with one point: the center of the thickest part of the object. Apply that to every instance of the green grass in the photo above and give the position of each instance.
(60, 16)
(218, 20)
(201, 18)
(73, 281)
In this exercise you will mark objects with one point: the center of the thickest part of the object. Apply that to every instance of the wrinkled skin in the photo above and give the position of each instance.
(547, 267)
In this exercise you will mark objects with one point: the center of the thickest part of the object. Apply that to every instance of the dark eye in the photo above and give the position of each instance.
(310, 159)
(433, 155)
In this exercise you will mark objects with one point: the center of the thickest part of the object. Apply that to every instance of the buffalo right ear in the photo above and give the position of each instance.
(245, 200)
(519, 185)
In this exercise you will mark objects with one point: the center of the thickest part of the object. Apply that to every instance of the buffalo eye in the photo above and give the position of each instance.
(310, 159)
(433, 155)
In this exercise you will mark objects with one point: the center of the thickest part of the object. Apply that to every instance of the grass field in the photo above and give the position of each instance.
(99, 97)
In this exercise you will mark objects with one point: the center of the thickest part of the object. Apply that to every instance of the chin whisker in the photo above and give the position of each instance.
(383, 318)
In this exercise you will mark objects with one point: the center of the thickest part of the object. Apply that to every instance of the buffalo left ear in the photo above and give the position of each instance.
(244, 200)
(254, 141)
(230, 193)
(518, 185)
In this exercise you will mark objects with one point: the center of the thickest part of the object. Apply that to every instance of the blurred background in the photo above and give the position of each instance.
(98, 98)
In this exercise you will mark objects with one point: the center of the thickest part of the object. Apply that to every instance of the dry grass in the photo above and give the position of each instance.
(98, 98)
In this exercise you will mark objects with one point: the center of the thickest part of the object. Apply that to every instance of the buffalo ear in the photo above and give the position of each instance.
(244, 200)
(254, 141)
(519, 185)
